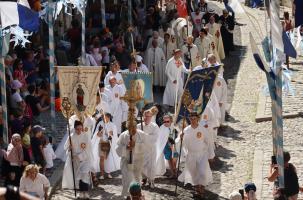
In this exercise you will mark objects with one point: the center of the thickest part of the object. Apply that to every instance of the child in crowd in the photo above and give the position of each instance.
(48, 153)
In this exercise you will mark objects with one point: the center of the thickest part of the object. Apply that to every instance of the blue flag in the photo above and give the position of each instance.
(200, 81)
(289, 49)
(28, 19)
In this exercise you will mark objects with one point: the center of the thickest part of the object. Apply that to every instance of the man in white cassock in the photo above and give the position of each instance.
(117, 106)
(166, 149)
(203, 44)
(82, 159)
(174, 86)
(214, 30)
(114, 71)
(190, 53)
(131, 172)
(199, 151)
(157, 37)
(155, 61)
(150, 162)
(105, 161)
(168, 47)
(88, 128)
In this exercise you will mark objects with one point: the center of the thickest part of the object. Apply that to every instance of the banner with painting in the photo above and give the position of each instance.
(143, 84)
(80, 85)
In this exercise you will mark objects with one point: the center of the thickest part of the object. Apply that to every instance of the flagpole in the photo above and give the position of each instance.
(51, 63)
(3, 92)
(83, 52)
(103, 13)
(130, 20)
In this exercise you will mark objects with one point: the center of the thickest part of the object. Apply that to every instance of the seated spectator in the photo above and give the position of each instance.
(34, 183)
(37, 148)
(14, 155)
(34, 102)
(291, 188)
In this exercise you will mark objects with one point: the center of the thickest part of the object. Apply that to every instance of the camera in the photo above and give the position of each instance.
(273, 160)
(100, 128)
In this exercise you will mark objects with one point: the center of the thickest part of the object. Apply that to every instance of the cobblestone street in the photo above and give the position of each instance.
(245, 147)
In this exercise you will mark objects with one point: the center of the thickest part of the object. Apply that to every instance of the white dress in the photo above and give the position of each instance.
(174, 71)
(220, 90)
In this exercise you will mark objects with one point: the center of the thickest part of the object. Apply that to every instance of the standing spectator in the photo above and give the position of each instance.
(123, 56)
(197, 18)
(49, 153)
(34, 183)
(228, 25)
(34, 102)
(74, 36)
(291, 188)
(15, 98)
(203, 6)
(37, 148)
(26, 143)
(30, 67)
(19, 74)
(14, 155)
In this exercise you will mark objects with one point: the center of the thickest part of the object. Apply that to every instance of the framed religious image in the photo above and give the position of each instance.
(80, 96)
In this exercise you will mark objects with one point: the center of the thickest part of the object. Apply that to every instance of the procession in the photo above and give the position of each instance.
(135, 95)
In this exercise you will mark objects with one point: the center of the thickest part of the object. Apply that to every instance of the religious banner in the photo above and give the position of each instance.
(79, 85)
(143, 85)
(199, 88)
(182, 8)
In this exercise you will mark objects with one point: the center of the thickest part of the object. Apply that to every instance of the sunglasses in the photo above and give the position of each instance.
(166, 122)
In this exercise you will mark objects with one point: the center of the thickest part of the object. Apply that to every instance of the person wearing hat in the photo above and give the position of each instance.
(214, 31)
(141, 67)
(197, 143)
(155, 61)
(135, 191)
(15, 98)
(174, 71)
(250, 191)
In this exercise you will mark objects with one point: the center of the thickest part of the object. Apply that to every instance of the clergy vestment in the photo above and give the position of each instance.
(155, 60)
(194, 55)
(160, 41)
(197, 145)
(168, 49)
(142, 68)
(117, 75)
(117, 106)
(227, 27)
(220, 90)
(82, 153)
(174, 71)
(112, 162)
(214, 30)
(203, 45)
(150, 156)
(88, 128)
(131, 172)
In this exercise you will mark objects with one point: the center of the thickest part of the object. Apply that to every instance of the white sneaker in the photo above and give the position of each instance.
(80, 195)
(86, 195)
(101, 177)
(109, 176)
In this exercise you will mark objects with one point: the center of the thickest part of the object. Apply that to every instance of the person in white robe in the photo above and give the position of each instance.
(117, 106)
(203, 43)
(150, 162)
(107, 132)
(199, 151)
(155, 60)
(214, 30)
(114, 71)
(157, 37)
(213, 50)
(166, 149)
(168, 47)
(81, 158)
(131, 172)
(174, 86)
(88, 124)
(141, 67)
(190, 52)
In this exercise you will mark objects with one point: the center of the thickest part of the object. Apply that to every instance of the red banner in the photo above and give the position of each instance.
(181, 8)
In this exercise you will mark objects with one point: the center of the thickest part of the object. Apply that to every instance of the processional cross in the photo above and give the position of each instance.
(131, 98)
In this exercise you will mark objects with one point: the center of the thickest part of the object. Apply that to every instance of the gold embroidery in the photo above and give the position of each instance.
(83, 146)
(199, 135)
(85, 129)
(219, 83)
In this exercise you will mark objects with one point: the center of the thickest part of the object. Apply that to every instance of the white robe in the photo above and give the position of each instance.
(220, 90)
(212, 29)
(197, 144)
(194, 52)
(131, 172)
(117, 106)
(203, 46)
(160, 41)
(88, 127)
(112, 163)
(168, 50)
(172, 91)
(150, 156)
(155, 60)
(118, 77)
(142, 68)
(81, 146)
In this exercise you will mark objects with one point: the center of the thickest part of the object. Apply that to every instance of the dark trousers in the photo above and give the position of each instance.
(83, 187)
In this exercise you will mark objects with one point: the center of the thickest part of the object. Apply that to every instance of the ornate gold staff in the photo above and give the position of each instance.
(186, 100)
(131, 98)
(67, 112)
